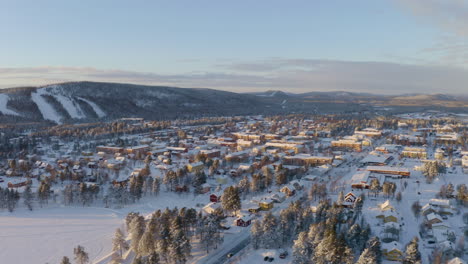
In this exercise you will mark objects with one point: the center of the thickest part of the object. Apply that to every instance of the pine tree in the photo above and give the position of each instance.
(146, 245)
(375, 186)
(231, 199)
(118, 242)
(156, 186)
(81, 257)
(412, 254)
(136, 230)
(153, 258)
(398, 197)
(43, 192)
(65, 260)
(271, 237)
(138, 260)
(302, 249)
(256, 234)
(180, 248)
(372, 254)
(340, 199)
(27, 197)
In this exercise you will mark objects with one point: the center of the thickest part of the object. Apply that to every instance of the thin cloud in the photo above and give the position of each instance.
(292, 75)
(451, 15)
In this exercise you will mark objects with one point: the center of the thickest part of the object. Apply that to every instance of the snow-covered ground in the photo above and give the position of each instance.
(3, 105)
(48, 234)
(95, 107)
(47, 111)
(73, 108)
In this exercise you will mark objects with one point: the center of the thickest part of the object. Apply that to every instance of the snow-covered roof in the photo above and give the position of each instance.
(391, 246)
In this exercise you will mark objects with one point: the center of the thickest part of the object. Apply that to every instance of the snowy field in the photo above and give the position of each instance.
(48, 234)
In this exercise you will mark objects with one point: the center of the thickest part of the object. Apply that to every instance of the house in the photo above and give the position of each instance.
(215, 197)
(297, 184)
(206, 187)
(92, 165)
(17, 183)
(441, 226)
(309, 178)
(403, 172)
(359, 180)
(195, 167)
(392, 251)
(141, 150)
(266, 204)
(427, 209)
(306, 159)
(222, 179)
(391, 227)
(254, 209)
(109, 150)
(350, 198)
(434, 218)
(388, 216)
(414, 152)
(376, 160)
(243, 221)
(211, 208)
(213, 153)
(289, 190)
(386, 206)
(456, 260)
(278, 197)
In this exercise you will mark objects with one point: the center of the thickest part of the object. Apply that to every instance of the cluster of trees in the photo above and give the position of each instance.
(80, 256)
(274, 232)
(432, 169)
(318, 191)
(448, 191)
(8, 199)
(166, 236)
(115, 129)
(335, 237)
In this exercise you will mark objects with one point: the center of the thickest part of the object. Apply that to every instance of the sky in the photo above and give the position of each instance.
(389, 47)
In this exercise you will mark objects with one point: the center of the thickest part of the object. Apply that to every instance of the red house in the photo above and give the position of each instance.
(215, 197)
(243, 221)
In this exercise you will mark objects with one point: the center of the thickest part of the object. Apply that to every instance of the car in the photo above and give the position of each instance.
(229, 255)
(225, 227)
(266, 258)
(271, 259)
(444, 217)
(283, 255)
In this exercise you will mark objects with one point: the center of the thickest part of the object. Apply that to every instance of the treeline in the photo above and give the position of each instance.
(119, 128)
(167, 235)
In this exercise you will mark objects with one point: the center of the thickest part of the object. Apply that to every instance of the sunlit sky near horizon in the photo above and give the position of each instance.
(395, 46)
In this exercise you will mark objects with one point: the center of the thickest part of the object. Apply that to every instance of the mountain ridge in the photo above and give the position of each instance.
(85, 101)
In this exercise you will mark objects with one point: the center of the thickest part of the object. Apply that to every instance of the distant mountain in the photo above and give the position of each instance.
(87, 101)
(273, 93)
(74, 102)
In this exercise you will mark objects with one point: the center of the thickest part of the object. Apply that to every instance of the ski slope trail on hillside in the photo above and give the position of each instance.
(48, 112)
(3, 105)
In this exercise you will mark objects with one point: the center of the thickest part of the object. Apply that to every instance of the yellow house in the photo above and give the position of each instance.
(222, 179)
(388, 216)
(392, 251)
(266, 205)
(195, 167)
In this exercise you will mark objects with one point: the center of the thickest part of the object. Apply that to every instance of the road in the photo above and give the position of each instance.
(233, 245)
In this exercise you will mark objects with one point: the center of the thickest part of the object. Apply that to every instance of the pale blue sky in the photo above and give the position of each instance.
(233, 45)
